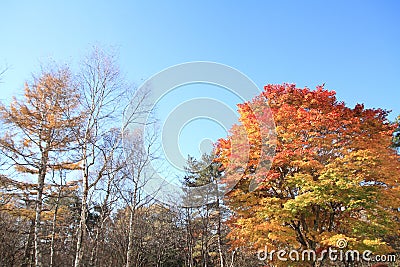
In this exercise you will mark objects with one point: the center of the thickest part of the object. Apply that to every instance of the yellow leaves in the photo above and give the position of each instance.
(373, 243)
(69, 166)
(337, 240)
(25, 169)
(18, 211)
(41, 123)
(301, 204)
(47, 215)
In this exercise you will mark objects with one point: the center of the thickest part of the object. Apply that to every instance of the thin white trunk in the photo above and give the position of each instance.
(82, 221)
(233, 258)
(81, 230)
(129, 252)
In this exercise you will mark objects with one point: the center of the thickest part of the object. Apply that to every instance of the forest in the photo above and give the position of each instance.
(323, 175)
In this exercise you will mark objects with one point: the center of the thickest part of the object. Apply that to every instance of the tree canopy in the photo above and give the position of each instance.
(334, 176)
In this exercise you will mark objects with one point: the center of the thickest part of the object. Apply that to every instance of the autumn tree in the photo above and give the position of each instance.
(39, 128)
(334, 176)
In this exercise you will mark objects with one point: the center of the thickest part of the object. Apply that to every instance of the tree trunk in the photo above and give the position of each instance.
(232, 258)
(189, 238)
(94, 256)
(129, 252)
(38, 211)
(53, 231)
(82, 222)
(28, 255)
(205, 237)
(81, 229)
(221, 255)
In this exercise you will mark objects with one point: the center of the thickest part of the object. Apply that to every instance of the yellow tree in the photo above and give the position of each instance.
(39, 133)
(334, 178)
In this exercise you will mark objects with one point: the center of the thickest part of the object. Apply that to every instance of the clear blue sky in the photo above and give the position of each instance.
(352, 46)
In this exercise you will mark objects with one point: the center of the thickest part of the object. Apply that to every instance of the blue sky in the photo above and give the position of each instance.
(352, 46)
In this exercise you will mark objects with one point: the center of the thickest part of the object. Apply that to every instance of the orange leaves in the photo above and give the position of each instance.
(333, 173)
(224, 150)
(43, 123)
(250, 145)
(67, 166)
(24, 169)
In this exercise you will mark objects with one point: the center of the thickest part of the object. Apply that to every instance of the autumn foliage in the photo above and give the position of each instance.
(334, 175)
(40, 135)
(300, 170)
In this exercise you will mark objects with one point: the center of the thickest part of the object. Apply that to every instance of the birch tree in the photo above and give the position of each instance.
(101, 87)
(131, 189)
(104, 96)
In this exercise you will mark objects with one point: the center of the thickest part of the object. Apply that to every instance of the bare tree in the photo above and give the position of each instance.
(138, 158)
(107, 192)
(101, 89)
(105, 95)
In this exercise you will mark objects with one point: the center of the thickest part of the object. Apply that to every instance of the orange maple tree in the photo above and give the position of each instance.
(334, 176)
